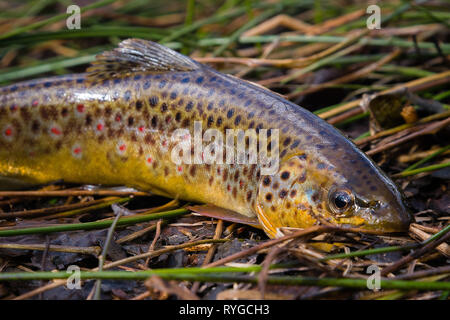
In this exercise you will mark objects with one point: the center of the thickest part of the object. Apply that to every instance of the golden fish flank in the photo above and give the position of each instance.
(113, 124)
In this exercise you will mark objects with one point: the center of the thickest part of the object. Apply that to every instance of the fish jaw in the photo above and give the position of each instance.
(387, 216)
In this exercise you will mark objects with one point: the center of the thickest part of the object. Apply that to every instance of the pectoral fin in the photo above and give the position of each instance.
(224, 214)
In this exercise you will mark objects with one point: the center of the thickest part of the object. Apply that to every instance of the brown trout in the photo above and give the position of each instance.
(113, 125)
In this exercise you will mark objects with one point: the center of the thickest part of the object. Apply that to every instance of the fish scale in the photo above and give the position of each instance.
(114, 125)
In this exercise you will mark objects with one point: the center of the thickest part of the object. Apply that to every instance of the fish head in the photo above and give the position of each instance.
(309, 190)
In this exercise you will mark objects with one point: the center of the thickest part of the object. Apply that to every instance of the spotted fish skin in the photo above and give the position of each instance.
(113, 126)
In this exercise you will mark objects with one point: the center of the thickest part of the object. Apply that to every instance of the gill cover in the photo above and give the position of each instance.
(281, 198)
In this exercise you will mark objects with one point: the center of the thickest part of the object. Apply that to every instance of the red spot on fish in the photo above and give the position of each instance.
(118, 118)
(55, 131)
(80, 108)
(141, 128)
(229, 188)
(241, 183)
(14, 107)
(76, 151)
(8, 132)
(99, 127)
(149, 160)
(180, 168)
(164, 143)
(122, 147)
(35, 103)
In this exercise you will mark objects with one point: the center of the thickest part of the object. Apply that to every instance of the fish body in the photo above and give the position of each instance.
(115, 125)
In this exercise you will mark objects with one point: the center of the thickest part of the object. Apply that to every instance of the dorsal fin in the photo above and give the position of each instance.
(136, 55)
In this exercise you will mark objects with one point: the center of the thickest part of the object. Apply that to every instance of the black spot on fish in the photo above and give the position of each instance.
(173, 95)
(154, 121)
(230, 113)
(210, 121)
(139, 105)
(295, 144)
(146, 84)
(35, 126)
(259, 127)
(199, 80)
(285, 175)
(153, 101)
(178, 116)
(269, 197)
(130, 121)
(189, 106)
(249, 195)
(64, 112)
(266, 181)
(282, 193)
(287, 141)
(237, 120)
(192, 170)
(162, 84)
(88, 120)
(163, 107)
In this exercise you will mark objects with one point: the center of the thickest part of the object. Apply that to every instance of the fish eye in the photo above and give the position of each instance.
(341, 200)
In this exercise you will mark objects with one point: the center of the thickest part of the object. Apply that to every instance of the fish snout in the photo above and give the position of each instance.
(393, 218)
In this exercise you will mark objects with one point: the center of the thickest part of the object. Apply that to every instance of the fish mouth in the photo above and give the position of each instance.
(388, 218)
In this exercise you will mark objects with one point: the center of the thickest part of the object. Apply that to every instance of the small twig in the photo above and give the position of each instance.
(414, 85)
(402, 127)
(66, 193)
(264, 273)
(56, 248)
(425, 273)
(151, 248)
(65, 210)
(430, 129)
(416, 254)
(210, 254)
(101, 259)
